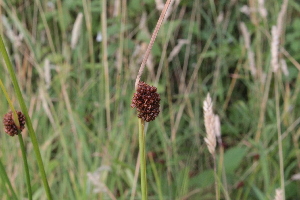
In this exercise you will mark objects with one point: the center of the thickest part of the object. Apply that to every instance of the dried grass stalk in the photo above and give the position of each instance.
(280, 18)
(177, 49)
(251, 60)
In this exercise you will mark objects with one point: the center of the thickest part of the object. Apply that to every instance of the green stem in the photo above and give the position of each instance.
(216, 178)
(6, 180)
(280, 150)
(27, 118)
(25, 165)
(143, 159)
(222, 172)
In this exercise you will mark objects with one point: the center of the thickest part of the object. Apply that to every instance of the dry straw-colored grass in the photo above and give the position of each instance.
(274, 48)
(250, 53)
(209, 122)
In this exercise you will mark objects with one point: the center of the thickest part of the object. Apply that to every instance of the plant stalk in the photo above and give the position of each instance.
(280, 150)
(153, 37)
(105, 63)
(25, 165)
(143, 158)
(216, 178)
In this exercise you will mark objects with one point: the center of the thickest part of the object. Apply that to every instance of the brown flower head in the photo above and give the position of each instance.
(146, 101)
(9, 125)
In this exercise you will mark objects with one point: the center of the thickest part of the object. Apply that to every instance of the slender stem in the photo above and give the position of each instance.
(25, 165)
(216, 178)
(88, 21)
(222, 171)
(105, 63)
(27, 118)
(280, 151)
(6, 179)
(153, 37)
(143, 159)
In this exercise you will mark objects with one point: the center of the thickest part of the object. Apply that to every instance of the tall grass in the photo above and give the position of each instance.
(70, 92)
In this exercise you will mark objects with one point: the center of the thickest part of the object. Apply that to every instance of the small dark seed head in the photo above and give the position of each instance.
(146, 100)
(9, 125)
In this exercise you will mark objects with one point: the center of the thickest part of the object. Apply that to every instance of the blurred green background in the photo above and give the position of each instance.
(77, 65)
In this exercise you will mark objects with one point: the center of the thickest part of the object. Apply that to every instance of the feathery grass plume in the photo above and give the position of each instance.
(278, 194)
(217, 127)
(274, 49)
(250, 53)
(276, 33)
(210, 139)
(76, 30)
(209, 122)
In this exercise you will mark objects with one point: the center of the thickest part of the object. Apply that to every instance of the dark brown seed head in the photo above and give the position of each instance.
(146, 101)
(9, 125)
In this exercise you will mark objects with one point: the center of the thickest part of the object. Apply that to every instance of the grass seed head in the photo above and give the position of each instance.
(9, 125)
(275, 49)
(209, 122)
(146, 100)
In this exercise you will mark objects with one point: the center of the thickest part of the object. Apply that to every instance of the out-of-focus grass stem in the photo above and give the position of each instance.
(88, 21)
(280, 150)
(105, 63)
(157, 178)
(23, 150)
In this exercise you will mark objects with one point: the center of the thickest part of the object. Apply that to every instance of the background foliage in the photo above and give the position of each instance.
(80, 102)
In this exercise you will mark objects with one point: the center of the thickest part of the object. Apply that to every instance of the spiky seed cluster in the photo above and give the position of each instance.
(146, 101)
(9, 125)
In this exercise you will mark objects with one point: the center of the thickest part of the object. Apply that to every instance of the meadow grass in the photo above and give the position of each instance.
(78, 94)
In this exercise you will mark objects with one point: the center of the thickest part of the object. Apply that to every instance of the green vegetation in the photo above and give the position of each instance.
(76, 68)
